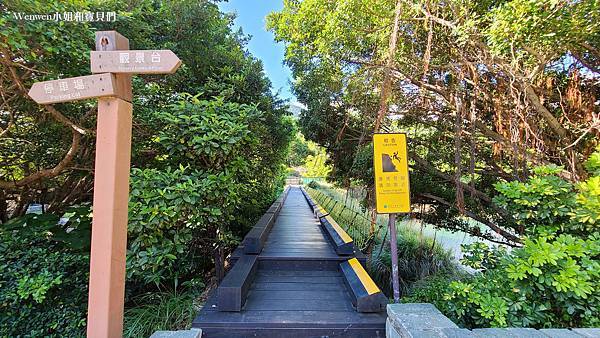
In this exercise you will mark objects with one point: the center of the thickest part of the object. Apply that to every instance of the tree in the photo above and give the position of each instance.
(483, 93)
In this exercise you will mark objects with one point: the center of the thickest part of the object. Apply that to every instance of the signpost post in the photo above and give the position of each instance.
(392, 188)
(112, 87)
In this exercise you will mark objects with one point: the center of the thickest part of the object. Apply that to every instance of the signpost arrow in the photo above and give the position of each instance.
(74, 88)
(134, 61)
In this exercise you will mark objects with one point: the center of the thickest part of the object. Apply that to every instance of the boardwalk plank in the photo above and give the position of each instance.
(298, 289)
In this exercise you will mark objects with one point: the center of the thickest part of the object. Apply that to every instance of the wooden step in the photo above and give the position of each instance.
(342, 242)
(233, 290)
(366, 296)
(257, 236)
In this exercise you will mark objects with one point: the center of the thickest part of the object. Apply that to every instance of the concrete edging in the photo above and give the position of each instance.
(418, 320)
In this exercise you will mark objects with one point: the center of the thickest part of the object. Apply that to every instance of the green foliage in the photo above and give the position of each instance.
(208, 133)
(549, 282)
(165, 213)
(299, 150)
(480, 256)
(554, 279)
(159, 311)
(548, 25)
(432, 289)
(593, 163)
(43, 276)
(548, 204)
(211, 154)
(316, 165)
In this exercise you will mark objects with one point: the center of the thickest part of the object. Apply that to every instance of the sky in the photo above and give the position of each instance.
(251, 18)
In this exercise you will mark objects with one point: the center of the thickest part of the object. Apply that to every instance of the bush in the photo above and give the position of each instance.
(432, 289)
(554, 279)
(213, 174)
(44, 275)
(418, 258)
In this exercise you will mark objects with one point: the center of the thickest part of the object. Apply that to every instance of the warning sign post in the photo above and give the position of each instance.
(392, 188)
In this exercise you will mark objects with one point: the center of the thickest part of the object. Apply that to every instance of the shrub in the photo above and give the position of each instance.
(44, 274)
(174, 214)
(213, 174)
(553, 280)
(432, 289)
(549, 282)
(418, 257)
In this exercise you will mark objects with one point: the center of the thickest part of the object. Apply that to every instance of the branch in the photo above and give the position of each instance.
(64, 120)
(47, 173)
(529, 92)
(496, 228)
(546, 114)
(53, 112)
(386, 85)
(426, 165)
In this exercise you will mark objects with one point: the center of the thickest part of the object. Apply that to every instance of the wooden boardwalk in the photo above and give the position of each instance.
(294, 287)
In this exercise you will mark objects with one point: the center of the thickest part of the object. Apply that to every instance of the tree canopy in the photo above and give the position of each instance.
(485, 89)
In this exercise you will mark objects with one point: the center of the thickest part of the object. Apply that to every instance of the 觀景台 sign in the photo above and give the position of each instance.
(390, 160)
(134, 61)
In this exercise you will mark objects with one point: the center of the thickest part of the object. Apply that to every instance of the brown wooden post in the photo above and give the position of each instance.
(114, 65)
(111, 191)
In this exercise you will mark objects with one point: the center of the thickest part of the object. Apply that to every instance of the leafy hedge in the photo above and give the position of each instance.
(43, 275)
(212, 157)
(553, 280)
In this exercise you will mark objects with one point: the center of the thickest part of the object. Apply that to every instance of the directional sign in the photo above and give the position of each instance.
(392, 188)
(74, 88)
(134, 61)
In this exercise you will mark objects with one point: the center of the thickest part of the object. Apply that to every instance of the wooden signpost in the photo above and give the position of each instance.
(392, 188)
(112, 87)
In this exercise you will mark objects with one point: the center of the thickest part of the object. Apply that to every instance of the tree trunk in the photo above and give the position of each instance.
(386, 85)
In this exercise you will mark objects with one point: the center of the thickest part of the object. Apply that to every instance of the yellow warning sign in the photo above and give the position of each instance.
(390, 160)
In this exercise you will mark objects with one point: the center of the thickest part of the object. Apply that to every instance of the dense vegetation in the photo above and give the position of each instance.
(553, 279)
(499, 100)
(308, 158)
(209, 150)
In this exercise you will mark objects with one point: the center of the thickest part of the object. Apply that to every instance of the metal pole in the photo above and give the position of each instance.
(394, 254)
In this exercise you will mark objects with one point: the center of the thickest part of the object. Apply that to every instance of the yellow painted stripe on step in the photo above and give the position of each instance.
(364, 277)
(321, 209)
(345, 237)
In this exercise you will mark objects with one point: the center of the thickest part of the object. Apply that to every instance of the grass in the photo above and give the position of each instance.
(418, 258)
(159, 311)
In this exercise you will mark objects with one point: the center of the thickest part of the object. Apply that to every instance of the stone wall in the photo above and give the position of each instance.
(420, 320)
